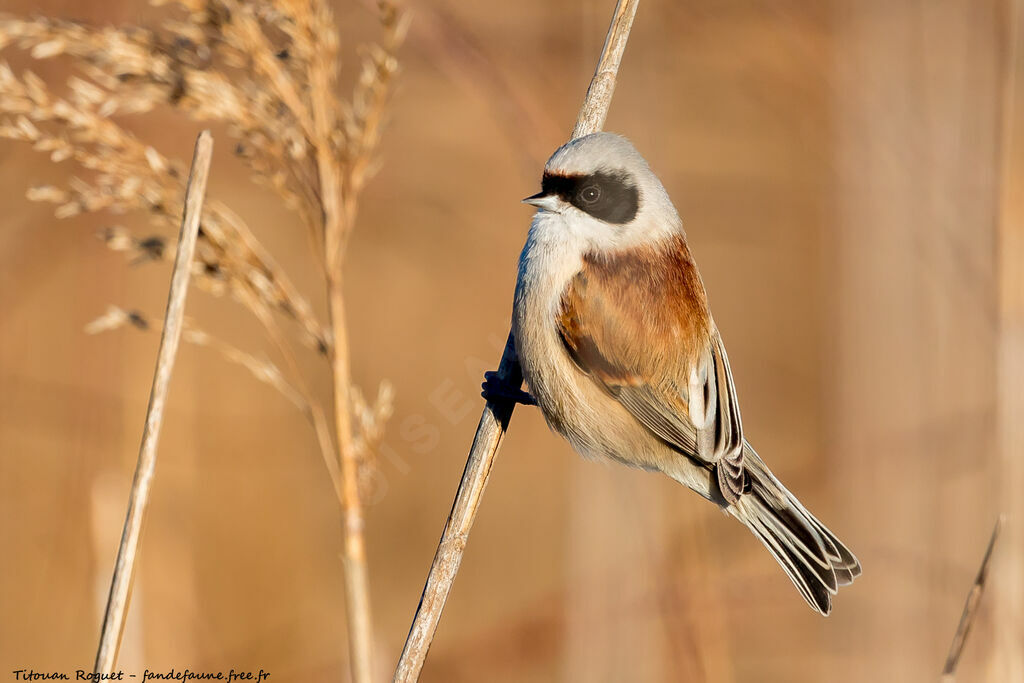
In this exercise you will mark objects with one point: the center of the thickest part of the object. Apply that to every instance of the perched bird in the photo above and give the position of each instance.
(619, 349)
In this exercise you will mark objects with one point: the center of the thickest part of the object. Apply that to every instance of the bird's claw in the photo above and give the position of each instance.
(495, 389)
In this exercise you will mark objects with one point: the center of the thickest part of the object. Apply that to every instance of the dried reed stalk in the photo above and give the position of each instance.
(356, 576)
(268, 71)
(138, 499)
(963, 629)
(496, 415)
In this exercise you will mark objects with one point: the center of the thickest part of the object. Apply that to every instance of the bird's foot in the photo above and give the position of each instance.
(495, 389)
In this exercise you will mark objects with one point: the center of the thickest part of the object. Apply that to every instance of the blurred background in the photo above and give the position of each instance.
(845, 172)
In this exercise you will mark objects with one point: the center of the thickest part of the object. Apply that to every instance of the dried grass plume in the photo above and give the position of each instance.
(268, 71)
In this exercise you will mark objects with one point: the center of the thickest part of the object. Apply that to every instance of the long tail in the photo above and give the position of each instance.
(814, 559)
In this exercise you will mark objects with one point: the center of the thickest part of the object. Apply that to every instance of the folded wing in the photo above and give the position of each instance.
(637, 323)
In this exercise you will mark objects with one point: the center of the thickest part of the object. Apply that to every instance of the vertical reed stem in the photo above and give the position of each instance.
(356, 577)
(337, 220)
(138, 500)
(497, 414)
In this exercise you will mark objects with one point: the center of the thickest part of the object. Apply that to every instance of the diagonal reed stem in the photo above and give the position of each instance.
(138, 499)
(496, 414)
(970, 613)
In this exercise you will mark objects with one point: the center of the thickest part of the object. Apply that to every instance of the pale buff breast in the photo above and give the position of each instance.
(573, 405)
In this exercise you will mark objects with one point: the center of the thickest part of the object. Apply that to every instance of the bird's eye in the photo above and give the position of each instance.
(590, 194)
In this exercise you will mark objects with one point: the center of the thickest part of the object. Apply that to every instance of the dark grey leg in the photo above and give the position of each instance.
(496, 390)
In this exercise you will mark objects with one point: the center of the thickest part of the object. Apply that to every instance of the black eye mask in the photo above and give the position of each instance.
(609, 196)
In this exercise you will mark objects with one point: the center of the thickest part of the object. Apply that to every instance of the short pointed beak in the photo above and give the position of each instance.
(547, 202)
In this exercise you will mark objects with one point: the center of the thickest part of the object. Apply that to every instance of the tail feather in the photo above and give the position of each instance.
(806, 580)
(814, 559)
(843, 561)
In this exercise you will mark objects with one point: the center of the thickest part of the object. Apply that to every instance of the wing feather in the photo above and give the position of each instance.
(637, 324)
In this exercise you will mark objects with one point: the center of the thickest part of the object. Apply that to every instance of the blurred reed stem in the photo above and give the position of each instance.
(356, 576)
(138, 499)
(337, 220)
(971, 604)
(496, 415)
(269, 71)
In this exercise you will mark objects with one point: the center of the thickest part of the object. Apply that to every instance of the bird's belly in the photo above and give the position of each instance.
(573, 404)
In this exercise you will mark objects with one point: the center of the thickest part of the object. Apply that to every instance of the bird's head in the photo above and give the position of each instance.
(602, 188)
